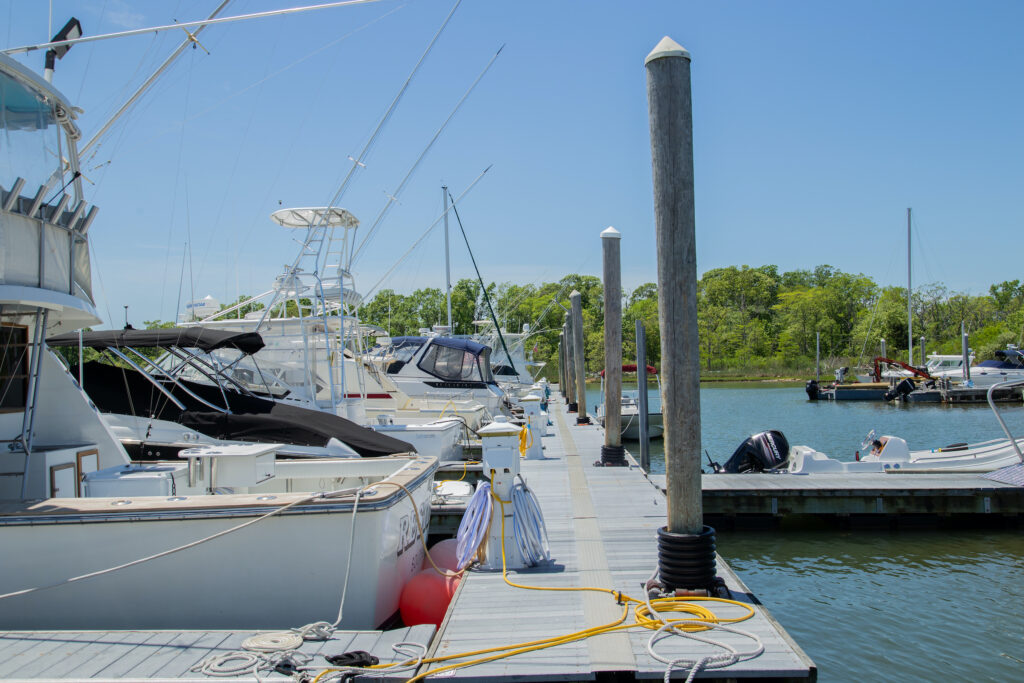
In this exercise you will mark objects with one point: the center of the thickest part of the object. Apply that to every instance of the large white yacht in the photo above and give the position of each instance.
(93, 541)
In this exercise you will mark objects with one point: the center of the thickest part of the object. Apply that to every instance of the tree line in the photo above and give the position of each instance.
(751, 320)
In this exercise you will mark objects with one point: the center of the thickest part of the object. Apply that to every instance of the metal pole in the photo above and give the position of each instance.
(641, 367)
(965, 351)
(924, 361)
(670, 111)
(612, 453)
(817, 356)
(447, 261)
(579, 361)
(910, 318)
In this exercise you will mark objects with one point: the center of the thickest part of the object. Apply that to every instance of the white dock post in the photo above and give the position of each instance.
(686, 548)
(535, 423)
(500, 446)
(612, 453)
(579, 360)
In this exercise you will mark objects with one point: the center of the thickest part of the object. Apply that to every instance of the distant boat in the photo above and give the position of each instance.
(630, 420)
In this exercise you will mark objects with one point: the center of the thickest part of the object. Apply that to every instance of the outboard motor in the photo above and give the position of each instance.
(760, 453)
(901, 390)
(812, 389)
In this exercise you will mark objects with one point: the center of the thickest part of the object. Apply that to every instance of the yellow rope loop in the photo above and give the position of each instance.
(524, 434)
(451, 402)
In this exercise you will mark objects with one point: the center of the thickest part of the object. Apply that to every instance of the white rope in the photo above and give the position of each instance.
(475, 522)
(528, 528)
(695, 666)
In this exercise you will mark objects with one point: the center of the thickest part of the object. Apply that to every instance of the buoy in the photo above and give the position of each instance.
(425, 598)
(445, 555)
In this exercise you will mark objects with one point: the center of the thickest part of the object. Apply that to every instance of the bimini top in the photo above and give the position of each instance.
(328, 217)
(203, 338)
(448, 342)
(1008, 359)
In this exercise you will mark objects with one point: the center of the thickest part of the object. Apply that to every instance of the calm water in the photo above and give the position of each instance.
(893, 606)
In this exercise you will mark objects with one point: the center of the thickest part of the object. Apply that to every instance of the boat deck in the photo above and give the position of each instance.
(602, 524)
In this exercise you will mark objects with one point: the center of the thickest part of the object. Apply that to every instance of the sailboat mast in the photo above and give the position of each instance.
(910, 320)
(447, 261)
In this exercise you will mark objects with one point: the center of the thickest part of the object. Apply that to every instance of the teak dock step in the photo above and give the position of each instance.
(602, 524)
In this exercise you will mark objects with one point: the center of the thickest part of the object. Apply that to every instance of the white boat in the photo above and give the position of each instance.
(313, 344)
(770, 452)
(324, 532)
(630, 414)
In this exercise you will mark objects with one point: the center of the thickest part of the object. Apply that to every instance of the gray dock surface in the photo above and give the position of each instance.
(164, 655)
(602, 524)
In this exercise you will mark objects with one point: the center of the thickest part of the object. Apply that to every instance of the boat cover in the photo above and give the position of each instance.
(203, 338)
(125, 391)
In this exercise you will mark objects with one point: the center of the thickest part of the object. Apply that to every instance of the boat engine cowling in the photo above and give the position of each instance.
(813, 392)
(761, 452)
(901, 390)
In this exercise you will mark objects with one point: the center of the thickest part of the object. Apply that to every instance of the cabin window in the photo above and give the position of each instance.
(13, 367)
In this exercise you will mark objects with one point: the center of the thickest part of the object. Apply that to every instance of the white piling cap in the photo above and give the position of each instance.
(611, 233)
(500, 427)
(666, 48)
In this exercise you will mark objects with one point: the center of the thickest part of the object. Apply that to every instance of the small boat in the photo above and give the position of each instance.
(770, 451)
(630, 424)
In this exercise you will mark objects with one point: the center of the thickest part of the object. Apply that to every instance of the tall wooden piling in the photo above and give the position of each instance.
(669, 104)
(579, 362)
(570, 365)
(610, 241)
(561, 363)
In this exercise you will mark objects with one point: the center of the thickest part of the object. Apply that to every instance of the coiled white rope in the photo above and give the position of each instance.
(695, 666)
(528, 528)
(474, 525)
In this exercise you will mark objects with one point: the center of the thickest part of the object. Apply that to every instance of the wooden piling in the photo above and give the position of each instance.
(561, 364)
(669, 104)
(570, 365)
(579, 362)
(610, 241)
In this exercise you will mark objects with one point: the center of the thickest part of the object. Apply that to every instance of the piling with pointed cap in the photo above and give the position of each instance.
(612, 453)
(579, 361)
(685, 546)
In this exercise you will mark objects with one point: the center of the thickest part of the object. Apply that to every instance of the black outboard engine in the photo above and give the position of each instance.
(901, 390)
(760, 453)
(812, 389)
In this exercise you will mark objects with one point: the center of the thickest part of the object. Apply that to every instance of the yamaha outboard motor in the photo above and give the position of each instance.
(812, 389)
(760, 453)
(901, 390)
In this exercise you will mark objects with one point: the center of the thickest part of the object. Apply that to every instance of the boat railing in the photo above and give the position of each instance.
(990, 396)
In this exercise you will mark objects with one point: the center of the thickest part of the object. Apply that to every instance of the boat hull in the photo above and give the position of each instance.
(284, 571)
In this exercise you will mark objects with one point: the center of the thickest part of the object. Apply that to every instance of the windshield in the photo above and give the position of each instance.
(29, 137)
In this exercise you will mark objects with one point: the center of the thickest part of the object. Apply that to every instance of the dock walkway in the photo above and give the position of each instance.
(602, 523)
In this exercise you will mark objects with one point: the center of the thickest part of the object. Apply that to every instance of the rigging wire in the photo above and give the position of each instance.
(359, 162)
(393, 197)
(483, 287)
(422, 237)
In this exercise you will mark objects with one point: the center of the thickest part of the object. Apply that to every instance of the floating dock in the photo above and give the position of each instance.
(602, 524)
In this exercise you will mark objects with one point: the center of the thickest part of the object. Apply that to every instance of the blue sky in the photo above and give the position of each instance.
(815, 126)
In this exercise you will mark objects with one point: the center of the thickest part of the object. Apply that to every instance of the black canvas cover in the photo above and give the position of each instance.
(183, 337)
(127, 392)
